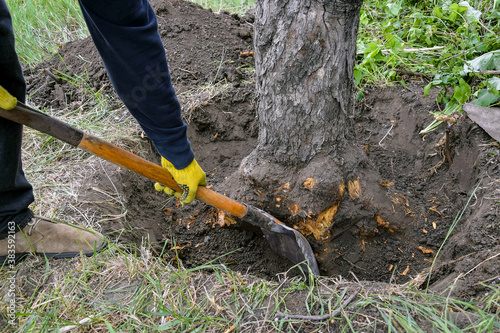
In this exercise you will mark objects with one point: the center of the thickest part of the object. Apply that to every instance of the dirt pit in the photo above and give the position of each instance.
(432, 177)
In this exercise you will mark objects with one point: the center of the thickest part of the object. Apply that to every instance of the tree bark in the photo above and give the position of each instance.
(304, 60)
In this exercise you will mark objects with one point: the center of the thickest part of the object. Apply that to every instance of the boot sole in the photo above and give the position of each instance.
(20, 256)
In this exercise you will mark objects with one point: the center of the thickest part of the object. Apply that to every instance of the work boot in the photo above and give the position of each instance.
(54, 240)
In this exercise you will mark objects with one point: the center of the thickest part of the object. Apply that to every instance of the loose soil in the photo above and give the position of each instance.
(429, 178)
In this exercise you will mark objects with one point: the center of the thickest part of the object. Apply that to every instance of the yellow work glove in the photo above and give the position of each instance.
(7, 101)
(188, 179)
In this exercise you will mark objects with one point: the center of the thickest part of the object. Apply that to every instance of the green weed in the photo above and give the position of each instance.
(441, 42)
(450, 231)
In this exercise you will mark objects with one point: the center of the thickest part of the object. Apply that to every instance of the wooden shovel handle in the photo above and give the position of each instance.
(44, 123)
(155, 172)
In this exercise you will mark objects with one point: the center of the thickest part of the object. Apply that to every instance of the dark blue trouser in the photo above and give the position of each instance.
(126, 35)
(15, 191)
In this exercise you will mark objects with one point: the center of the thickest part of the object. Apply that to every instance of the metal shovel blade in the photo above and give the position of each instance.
(284, 240)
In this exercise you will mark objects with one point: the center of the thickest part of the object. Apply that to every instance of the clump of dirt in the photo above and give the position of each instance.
(429, 178)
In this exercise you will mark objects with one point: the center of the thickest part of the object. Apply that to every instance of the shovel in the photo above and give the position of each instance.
(284, 240)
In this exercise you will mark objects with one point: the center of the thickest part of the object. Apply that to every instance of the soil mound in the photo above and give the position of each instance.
(430, 178)
(202, 48)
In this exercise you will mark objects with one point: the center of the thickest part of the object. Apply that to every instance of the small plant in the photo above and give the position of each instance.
(453, 102)
(486, 93)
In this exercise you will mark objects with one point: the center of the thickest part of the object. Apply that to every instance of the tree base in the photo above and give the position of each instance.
(340, 204)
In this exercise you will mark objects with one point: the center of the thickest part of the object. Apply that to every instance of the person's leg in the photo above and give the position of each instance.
(126, 36)
(30, 234)
(16, 193)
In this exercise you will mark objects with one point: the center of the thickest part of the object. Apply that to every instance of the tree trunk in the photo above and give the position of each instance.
(304, 60)
(307, 169)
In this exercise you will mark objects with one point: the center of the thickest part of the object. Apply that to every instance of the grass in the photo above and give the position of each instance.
(413, 311)
(128, 288)
(41, 26)
(132, 288)
(44, 156)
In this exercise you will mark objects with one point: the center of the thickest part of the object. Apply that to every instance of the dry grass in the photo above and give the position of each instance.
(192, 100)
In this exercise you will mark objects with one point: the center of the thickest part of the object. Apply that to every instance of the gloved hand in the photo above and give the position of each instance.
(188, 179)
(7, 101)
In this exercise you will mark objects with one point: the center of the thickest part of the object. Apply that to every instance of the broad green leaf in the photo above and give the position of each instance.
(494, 82)
(486, 62)
(393, 8)
(358, 75)
(485, 98)
(427, 89)
(453, 16)
(438, 12)
(390, 74)
(462, 92)
(472, 15)
(415, 33)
